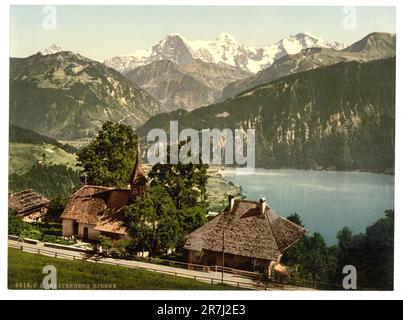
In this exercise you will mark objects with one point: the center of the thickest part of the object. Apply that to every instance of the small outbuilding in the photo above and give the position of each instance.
(252, 236)
(29, 205)
(95, 210)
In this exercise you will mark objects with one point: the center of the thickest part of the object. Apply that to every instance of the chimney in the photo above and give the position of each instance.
(262, 205)
(231, 202)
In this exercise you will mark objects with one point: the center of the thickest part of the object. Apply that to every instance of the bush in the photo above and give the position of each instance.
(56, 208)
(16, 226)
(115, 248)
(34, 234)
(42, 231)
(47, 228)
(48, 238)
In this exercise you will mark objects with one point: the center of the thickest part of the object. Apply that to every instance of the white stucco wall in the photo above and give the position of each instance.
(92, 233)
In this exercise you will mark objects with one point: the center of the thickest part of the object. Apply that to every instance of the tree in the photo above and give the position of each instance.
(345, 244)
(152, 222)
(186, 186)
(190, 219)
(380, 244)
(56, 208)
(312, 258)
(185, 183)
(345, 238)
(371, 253)
(109, 158)
(106, 243)
(48, 179)
(295, 217)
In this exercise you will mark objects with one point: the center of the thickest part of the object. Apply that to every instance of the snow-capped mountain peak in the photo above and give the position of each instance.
(295, 43)
(51, 50)
(227, 37)
(225, 48)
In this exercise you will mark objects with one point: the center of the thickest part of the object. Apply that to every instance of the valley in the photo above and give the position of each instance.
(314, 104)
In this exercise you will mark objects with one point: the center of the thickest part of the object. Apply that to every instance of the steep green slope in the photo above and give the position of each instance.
(67, 96)
(23, 156)
(336, 117)
(41, 163)
(21, 135)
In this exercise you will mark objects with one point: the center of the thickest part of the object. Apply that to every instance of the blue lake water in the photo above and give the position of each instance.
(326, 200)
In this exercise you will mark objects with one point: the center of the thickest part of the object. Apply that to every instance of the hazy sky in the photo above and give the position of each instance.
(101, 32)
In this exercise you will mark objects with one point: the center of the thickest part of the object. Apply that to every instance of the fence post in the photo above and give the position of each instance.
(55, 254)
(212, 281)
(39, 251)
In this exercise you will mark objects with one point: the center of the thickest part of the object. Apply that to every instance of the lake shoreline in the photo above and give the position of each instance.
(257, 170)
(326, 200)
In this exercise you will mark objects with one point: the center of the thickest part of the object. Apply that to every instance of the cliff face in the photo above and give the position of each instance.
(336, 117)
(186, 86)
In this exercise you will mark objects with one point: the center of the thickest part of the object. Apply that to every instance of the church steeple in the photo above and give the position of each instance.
(138, 180)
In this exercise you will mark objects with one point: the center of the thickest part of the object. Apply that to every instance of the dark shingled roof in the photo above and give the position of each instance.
(27, 201)
(247, 232)
(100, 206)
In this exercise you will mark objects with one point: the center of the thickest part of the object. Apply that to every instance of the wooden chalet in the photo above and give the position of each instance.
(97, 210)
(29, 205)
(251, 234)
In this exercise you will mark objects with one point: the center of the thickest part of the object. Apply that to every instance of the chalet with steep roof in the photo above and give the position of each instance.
(97, 210)
(251, 235)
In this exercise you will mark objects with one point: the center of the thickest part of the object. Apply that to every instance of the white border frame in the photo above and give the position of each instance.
(193, 295)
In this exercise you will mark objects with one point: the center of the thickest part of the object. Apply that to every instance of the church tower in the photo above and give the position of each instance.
(138, 180)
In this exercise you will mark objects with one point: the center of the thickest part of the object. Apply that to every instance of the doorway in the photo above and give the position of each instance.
(85, 233)
(75, 228)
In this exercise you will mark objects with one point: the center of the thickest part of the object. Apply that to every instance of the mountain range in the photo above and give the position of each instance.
(225, 48)
(330, 106)
(185, 86)
(51, 50)
(373, 46)
(67, 96)
(335, 117)
(179, 77)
